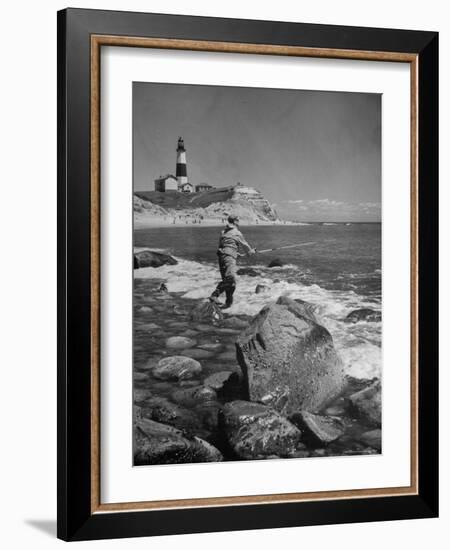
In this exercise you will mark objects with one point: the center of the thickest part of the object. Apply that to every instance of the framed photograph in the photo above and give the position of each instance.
(247, 254)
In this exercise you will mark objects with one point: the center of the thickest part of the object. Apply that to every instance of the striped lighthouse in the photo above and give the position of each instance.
(181, 164)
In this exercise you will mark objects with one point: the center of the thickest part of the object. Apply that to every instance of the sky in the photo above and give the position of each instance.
(315, 155)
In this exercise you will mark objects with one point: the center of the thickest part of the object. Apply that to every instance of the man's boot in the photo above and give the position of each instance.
(229, 294)
(215, 297)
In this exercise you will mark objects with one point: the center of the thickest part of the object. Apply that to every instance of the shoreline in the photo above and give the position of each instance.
(157, 223)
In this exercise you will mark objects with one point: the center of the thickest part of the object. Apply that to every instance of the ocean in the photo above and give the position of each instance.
(338, 273)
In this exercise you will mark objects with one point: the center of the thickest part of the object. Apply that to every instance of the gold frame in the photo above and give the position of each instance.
(97, 41)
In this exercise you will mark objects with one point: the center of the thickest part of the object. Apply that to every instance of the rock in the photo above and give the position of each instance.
(319, 430)
(162, 288)
(149, 258)
(194, 396)
(288, 360)
(368, 315)
(156, 443)
(176, 367)
(145, 309)
(255, 431)
(308, 309)
(335, 410)
(162, 410)
(261, 288)
(141, 395)
(366, 404)
(180, 342)
(206, 312)
(149, 327)
(219, 379)
(234, 322)
(140, 376)
(276, 263)
(249, 271)
(372, 439)
(210, 346)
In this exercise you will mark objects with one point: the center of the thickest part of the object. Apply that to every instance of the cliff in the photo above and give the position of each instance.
(152, 207)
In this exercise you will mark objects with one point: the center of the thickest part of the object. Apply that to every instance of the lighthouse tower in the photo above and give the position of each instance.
(181, 164)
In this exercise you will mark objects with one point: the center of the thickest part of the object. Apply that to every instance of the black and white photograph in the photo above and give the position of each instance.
(257, 273)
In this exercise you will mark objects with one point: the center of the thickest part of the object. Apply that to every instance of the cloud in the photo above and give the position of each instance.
(330, 209)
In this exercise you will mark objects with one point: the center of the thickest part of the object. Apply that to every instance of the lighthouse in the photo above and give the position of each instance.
(181, 164)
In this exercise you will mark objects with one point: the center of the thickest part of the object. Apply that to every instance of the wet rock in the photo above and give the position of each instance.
(177, 367)
(318, 430)
(255, 431)
(141, 395)
(226, 330)
(202, 327)
(206, 312)
(162, 410)
(288, 359)
(366, 404)
(335, 410)
(191, 397)
(372, 439)
(261, 288)
(140, 376)
(149, 326)
(211, 346)
(367, 314)
(180, 342)
(234, 322)
(156, 443)
(218, 380)
(149, 258)
(145, 309)
(276, 263)
(249, 271)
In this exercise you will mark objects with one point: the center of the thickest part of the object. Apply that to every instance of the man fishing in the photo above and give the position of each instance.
(230, 243)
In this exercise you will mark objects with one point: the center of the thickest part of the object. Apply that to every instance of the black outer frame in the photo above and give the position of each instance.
(75, 521)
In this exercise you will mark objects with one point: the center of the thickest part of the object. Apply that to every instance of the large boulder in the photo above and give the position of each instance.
(365, 314)
(149, 258)
(156, 443)
(255, 431)
(288, 359)
(366, 404)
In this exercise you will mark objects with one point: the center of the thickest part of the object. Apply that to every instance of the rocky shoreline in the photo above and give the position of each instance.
(210, 386)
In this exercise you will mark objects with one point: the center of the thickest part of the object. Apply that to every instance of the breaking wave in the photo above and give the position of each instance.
(359, 345)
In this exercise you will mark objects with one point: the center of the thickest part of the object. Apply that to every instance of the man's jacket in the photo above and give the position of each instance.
(230, 241)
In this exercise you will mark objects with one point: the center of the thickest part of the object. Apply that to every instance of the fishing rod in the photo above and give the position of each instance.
(282, 247)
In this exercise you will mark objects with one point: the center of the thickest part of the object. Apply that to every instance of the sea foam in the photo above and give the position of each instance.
(359, 345)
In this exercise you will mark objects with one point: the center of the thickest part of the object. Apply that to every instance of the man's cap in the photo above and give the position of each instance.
(233, 219)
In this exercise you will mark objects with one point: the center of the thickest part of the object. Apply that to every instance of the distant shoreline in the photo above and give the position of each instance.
(158, 222)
